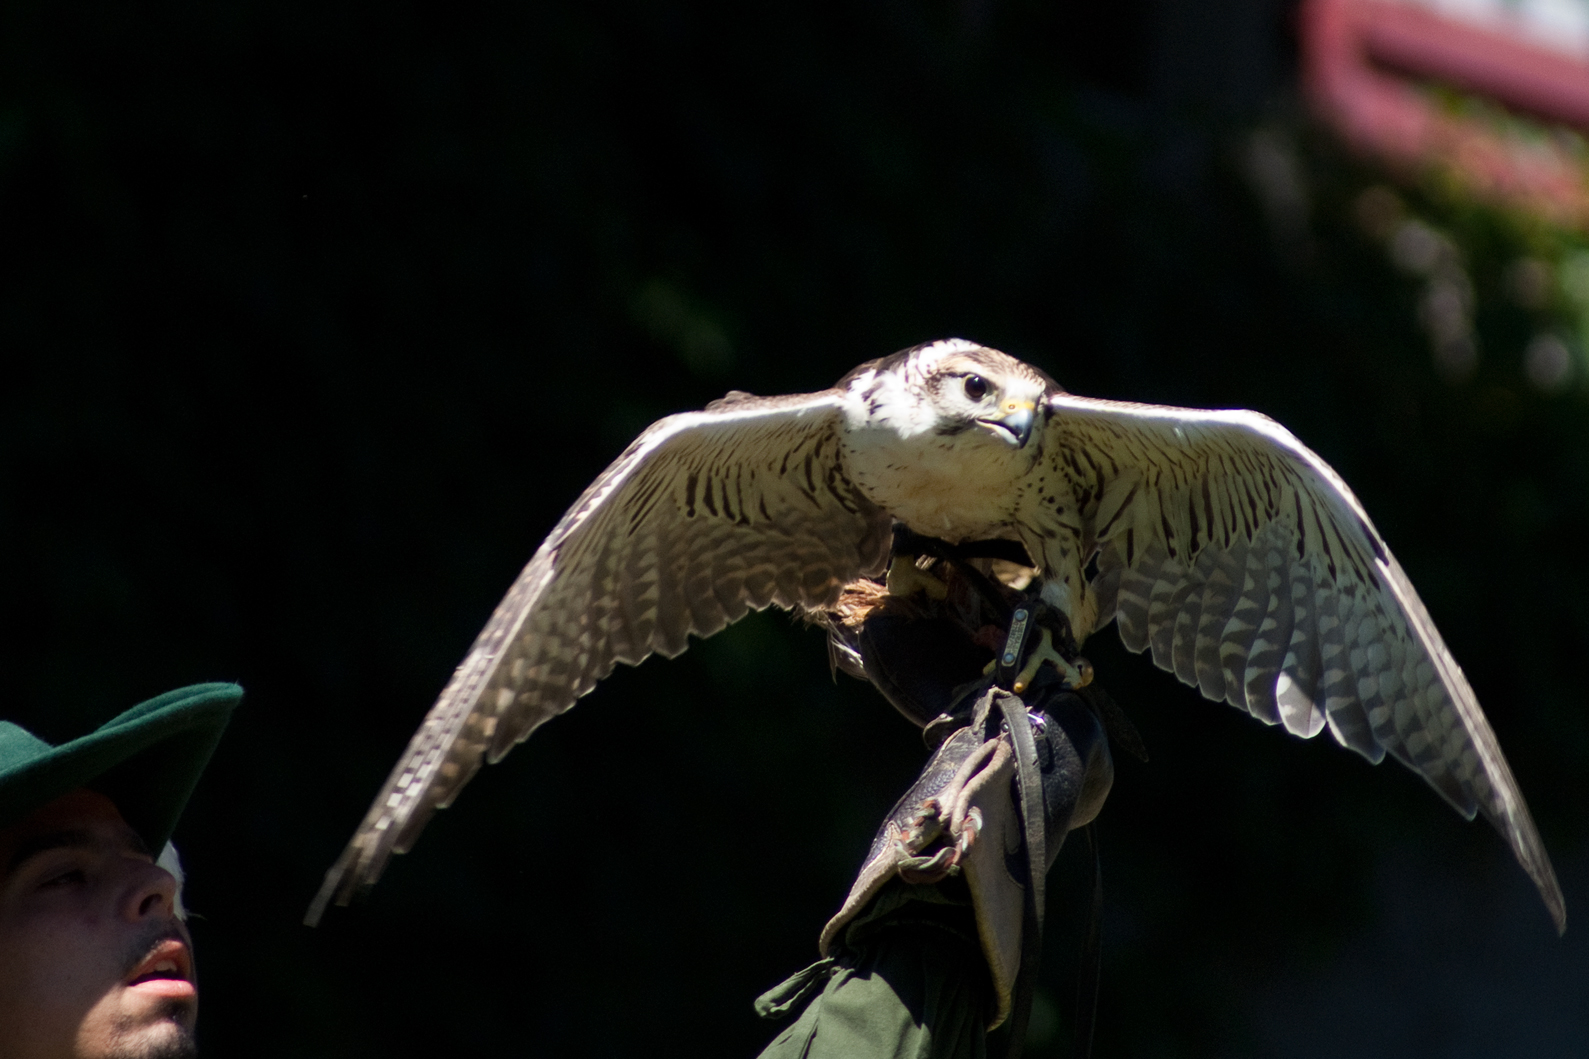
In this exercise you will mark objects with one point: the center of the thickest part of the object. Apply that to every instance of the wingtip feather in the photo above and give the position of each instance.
(332, 889)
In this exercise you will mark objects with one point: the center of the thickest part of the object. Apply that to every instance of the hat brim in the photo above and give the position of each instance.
(147, 760)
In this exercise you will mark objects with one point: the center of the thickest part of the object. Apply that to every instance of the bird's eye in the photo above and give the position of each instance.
(976, 387)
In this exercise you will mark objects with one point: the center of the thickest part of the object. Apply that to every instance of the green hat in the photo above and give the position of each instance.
(146, 760)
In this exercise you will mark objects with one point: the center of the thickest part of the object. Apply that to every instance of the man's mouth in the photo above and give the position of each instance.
(166, 971)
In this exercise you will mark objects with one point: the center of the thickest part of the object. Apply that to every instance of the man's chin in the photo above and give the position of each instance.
(168, 1040)
(165, 1033)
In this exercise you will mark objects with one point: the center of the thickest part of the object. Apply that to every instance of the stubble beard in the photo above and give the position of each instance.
(167, 1038)
(166, 1035)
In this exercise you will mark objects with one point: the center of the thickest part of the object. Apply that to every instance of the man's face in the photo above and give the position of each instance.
(94, 963)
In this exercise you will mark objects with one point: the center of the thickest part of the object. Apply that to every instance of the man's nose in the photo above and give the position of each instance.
(150, 892)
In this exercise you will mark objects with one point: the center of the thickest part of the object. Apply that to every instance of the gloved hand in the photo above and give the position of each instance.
(963, 815)
(927, 654)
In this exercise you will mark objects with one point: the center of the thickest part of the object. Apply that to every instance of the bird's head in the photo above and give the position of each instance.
(953, 387)
(973, 387)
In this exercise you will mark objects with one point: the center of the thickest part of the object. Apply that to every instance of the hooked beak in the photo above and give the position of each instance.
(1013, 423)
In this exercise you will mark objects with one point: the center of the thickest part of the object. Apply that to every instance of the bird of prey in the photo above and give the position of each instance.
(1214, 539)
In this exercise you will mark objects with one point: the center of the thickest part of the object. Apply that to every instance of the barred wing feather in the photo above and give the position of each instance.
(1242, 562)
(707, 516)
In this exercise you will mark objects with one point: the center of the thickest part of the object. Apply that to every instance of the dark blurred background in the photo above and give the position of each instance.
(315, 317)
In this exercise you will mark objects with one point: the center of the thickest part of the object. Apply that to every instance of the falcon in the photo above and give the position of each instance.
(1214, 539)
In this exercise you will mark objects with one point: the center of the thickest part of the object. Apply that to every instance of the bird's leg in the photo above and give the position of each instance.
(1072, 598)
(1076, 674)
(1074, 670)
(905, 578)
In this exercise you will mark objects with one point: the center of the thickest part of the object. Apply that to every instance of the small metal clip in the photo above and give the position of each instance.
(1014, 644)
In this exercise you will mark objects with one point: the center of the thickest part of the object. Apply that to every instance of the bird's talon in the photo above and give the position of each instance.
(1083, 672)
(905, 578)
(1075, 675)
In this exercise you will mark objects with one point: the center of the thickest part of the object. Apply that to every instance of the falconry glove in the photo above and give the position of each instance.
(964, 814)
(1011, 774)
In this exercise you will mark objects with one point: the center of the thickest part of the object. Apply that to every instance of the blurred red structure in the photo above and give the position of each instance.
(1362, 57)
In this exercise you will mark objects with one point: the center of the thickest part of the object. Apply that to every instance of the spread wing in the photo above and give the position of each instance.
(706, 516)
(1248, 568)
